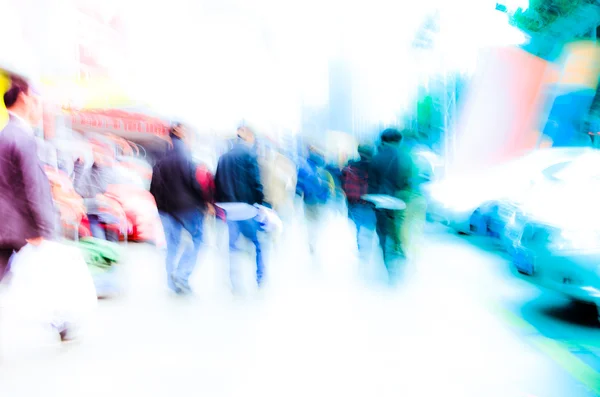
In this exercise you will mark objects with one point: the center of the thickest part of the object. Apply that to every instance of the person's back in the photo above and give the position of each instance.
(21, 193)
(174, 184)
(181, 206)
(355, 180)
(237, 178)
(390, 171)
(390, 174)
(315, 183)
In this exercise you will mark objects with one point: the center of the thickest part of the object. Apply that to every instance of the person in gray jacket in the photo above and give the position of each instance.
(26, 205)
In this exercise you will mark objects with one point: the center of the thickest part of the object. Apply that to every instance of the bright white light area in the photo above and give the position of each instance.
(15, 53)
(513, 5)
(469, 26)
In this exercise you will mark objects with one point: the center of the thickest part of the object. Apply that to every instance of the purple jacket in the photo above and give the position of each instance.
(26, 205)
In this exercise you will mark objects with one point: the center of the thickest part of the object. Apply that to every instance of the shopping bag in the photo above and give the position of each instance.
(268, 220)
(238, 211)
(50, 284)
(386, 202)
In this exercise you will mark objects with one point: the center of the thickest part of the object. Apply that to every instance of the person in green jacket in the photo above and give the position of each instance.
(391, 173)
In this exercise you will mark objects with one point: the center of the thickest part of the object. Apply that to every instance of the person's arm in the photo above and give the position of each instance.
(218, 182)
(38, 196)
(254, 180)
(194, 184)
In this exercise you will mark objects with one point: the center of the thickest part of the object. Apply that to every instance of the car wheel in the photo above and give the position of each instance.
(478, 223)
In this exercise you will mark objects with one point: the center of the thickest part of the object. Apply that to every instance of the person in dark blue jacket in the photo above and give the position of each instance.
(181, 205)
(237, 180)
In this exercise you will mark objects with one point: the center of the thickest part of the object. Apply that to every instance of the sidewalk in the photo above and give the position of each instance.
(321, 335)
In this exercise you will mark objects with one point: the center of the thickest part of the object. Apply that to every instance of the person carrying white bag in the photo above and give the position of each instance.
(50, 284)
(29, 217)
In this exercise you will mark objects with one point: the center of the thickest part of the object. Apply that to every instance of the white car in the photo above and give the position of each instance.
(554, 234)
(479, 202)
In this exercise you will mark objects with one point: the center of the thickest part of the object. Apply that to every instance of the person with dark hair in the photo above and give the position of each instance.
(26, 205)
(238, 180)
(181, 205)
(390, 174)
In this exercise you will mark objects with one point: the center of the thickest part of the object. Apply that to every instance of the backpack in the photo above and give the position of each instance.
(316, 184)
(355, 183)
(207, 183)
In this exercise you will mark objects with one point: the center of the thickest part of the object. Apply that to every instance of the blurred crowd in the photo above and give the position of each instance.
(105, 191)
(380, 190)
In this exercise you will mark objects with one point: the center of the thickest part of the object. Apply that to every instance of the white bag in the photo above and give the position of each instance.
(269, 220)
(238, 211)
(51, 284)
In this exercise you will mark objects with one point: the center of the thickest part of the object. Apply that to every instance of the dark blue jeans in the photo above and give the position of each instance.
(249, 229)
(363, 216)
(174, 224)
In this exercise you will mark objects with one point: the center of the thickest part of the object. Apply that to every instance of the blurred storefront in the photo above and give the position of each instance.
(575, 90)
(502, 109)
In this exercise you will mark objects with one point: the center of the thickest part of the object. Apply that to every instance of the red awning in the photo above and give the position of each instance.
(118, 121)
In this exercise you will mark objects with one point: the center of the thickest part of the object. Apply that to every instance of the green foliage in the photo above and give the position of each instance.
(542, 13)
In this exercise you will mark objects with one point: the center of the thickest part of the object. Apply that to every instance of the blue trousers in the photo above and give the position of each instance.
(249, 229)
(363, 216)
(98, 230)
(173, 225)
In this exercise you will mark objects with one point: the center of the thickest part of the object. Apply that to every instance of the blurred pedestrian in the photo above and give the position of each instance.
(27, 209)
(278, 174)
(91, 183)
(238, 180)
(335, 170)
(355, 182)
(181, 205)
(316, 186)
(390, 174)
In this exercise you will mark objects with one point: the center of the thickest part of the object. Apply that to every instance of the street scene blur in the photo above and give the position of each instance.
(322, 198)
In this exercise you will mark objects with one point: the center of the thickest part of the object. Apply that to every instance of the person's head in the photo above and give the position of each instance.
(391, 136)
(23, 100)
(246, 134)
(177, 130)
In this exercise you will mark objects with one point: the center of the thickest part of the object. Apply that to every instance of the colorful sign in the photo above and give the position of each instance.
(4, 86)
(117, 121)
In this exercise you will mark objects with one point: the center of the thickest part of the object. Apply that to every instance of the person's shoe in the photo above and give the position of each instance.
(173, 285)
(66, 333)
(182, 288)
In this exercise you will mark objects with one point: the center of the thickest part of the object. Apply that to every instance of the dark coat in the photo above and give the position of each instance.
(26, 205)
(174, 184)
(238, 177)
(391, 171)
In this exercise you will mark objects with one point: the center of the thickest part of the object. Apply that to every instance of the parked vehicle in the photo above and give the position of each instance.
(482, 201)
(553, 236)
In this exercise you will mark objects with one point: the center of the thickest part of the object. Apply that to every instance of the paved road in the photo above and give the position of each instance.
(460, 325)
